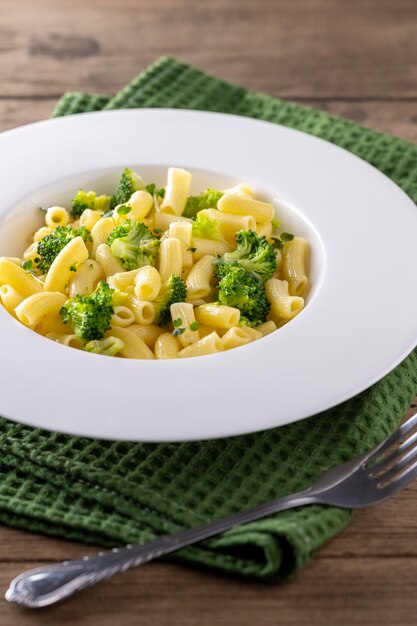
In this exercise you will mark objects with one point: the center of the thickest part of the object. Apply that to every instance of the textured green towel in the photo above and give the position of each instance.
(112, 493)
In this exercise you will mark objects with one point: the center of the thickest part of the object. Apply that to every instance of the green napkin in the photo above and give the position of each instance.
(111, 493)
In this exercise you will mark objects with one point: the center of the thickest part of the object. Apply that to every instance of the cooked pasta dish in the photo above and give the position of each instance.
(158, 273)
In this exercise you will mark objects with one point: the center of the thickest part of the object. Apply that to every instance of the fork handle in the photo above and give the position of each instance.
(46, 585)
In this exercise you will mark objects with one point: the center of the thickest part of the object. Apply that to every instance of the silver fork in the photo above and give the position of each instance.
(365, 480)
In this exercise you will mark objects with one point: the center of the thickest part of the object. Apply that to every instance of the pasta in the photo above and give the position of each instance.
(161, 275)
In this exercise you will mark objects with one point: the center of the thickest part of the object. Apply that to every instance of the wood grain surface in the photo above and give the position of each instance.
(357, 59)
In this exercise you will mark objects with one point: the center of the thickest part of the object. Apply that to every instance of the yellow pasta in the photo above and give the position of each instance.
(122, 316)
(230, 224)
(201, 247)
(266, 328)
(110, 264)
(294, 266)
(33, 309)
(149, 333)
(239, 336)
(141, 202)
(100, 232)
(166, 347)
(283, 304)
(143, 312)
(207, 345)
(66, 340)
(89, 219)
(238, 205)
(182, 315)
(10, 298)
(199, 278)
(68, 260)
(85, 279)
(183, 232)
(219, 316)
(133, 346)
(163, 220)
(56, 216)
(170, 258)
(147, 283)
(165, 295)
(15, 276)
(177, 191)
(41, 233)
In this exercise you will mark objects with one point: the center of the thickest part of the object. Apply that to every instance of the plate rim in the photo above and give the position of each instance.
(216, 115)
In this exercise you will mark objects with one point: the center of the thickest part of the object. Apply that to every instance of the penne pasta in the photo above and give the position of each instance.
(294, 266)
(207, 345)
(33, 309)
(283, 304)
(147, 283)
(239, 205)
(56, 216)
(199, 278)
(177, 191)
(219, 316)
(67, 261)
(170, 258)
(166, 347)
(15, 276)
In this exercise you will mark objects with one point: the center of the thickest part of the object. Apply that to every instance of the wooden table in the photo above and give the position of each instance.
(357, 59)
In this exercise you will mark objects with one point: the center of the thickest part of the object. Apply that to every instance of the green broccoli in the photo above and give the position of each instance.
(244, 291)
(129, 182)
(173, 290)
(89, 200)
(206, 228)
(108, 347)
(51, 245)
(206, 200)
(254, 253)
(134, 244)
(90, 316)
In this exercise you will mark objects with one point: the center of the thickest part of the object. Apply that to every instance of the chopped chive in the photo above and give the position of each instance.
(73, 268)
(158, 231)
(192, 249)
(108, 213)
(178, 331)
(177, 322)
(194, 325)
(287, 237)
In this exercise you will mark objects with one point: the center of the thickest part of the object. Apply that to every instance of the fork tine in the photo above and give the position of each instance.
(394, 471)
(396, 436)
(402, 481)
(396, 454)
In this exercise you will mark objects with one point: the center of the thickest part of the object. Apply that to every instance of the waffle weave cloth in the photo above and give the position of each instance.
(111, 493)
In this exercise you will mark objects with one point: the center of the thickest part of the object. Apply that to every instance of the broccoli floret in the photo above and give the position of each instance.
(173, 290)
(89, 200)
(50, 246)
(129, 182)
(254, 253)
(206, 228)
(90, 316)
(244, 291)
(206, 200)
(134, 244)
(108, 347)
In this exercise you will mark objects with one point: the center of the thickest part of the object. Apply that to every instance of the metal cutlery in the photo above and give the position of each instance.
(360, 482)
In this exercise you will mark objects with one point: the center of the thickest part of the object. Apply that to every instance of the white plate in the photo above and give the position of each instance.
(359, 323)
